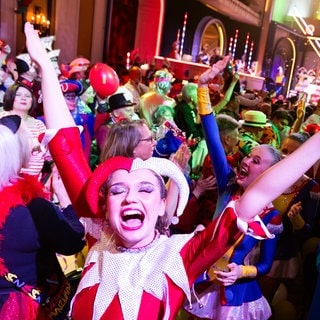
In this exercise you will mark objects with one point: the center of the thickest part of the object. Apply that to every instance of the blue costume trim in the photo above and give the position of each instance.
(224, 173)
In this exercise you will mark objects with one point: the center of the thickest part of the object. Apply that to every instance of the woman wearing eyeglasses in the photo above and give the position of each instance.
(130, 138)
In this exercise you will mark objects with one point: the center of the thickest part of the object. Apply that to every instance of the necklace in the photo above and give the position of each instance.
(141, 249)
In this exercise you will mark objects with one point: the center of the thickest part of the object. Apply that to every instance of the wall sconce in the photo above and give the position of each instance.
(40, 21)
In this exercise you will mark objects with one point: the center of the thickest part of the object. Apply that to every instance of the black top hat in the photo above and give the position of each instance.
(117, 101)
(21, 66)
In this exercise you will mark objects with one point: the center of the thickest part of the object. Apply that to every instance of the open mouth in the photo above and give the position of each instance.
(132, 219)
(242, 173)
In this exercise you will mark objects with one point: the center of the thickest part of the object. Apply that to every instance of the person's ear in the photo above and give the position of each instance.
(225, 139)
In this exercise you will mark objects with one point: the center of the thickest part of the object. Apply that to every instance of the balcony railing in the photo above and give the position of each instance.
(235, 10)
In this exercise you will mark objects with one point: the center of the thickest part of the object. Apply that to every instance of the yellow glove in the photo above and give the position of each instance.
(248, 271)
(204, 103)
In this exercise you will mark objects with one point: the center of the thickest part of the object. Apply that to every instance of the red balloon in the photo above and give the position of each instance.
(104, 80)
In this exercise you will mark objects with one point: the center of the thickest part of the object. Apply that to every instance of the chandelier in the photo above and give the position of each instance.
(40, 21)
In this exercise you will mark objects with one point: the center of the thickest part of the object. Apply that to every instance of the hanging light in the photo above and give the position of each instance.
(40, 21)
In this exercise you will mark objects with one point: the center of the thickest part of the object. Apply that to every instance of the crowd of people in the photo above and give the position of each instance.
(193, 200)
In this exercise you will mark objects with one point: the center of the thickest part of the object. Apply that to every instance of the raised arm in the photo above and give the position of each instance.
(223, 171)
(227, 96)
(55, 108)
(301, 111)
(65, 147)
(273, 182)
